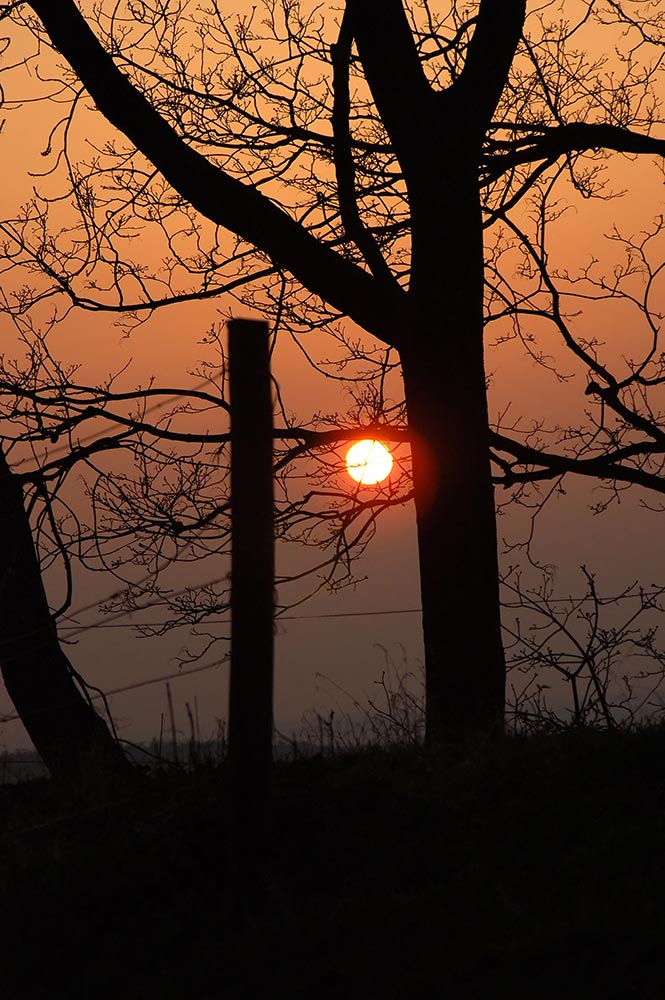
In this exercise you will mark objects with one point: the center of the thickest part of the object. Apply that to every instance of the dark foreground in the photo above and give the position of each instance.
(530, 869)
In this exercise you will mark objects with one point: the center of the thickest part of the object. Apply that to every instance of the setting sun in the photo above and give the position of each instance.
(368, 462)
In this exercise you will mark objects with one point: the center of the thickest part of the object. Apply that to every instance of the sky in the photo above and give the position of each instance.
(331, 651)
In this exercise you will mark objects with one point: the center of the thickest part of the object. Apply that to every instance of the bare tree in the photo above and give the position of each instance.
(590, 660)
(157, 493)
(396, 164)
(69, 735)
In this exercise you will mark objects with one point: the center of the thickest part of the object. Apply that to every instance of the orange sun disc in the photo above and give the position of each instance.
(368, 462)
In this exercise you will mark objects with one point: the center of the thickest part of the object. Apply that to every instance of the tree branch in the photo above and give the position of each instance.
(601, 467)
(491, 50)
(392, 66)
(221, 198)
(577, 138)
(340, 54)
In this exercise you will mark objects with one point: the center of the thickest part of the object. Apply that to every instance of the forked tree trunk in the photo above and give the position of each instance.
(72, 740)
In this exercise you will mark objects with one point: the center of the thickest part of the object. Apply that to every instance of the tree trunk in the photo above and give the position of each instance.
(446, 396)
(457, 546)
(72, 740)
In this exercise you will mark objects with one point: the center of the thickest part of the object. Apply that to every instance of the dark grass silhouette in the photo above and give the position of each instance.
(527, 867)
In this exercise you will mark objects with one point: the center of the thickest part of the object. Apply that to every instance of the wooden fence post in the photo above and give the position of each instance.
(252, 572)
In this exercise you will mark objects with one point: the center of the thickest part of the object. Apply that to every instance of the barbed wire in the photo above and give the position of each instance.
(140, 684)
(112, 615)
(513, 605)
(74, 629)
(112, 619)
(278, 618)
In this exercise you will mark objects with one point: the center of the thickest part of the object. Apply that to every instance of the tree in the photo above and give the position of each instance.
(173, 507)
(71, 738)
(391, 198)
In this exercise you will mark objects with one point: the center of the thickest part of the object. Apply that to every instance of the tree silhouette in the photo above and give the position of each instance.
(71, 738)
(378, 163)
(172, 505)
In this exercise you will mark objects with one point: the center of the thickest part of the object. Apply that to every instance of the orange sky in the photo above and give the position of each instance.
(622, 545)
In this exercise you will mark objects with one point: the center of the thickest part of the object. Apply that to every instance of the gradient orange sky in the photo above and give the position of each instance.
(624, 544)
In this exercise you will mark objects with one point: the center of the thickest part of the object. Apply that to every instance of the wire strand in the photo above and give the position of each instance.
(140, 684)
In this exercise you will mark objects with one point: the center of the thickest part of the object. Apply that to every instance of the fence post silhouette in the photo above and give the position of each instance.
(252, 578)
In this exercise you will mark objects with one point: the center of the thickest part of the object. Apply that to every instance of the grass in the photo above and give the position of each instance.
(533, 867)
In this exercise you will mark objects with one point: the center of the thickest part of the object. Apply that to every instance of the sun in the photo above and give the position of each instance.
(368, 462)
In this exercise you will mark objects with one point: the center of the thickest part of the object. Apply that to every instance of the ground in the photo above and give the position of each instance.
(525, 868)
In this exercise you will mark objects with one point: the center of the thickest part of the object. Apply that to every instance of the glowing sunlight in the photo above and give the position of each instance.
(368, 462)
